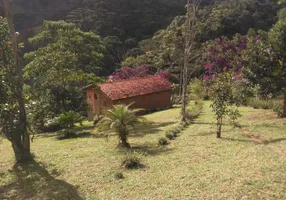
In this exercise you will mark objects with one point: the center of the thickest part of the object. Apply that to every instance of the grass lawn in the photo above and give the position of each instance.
(247, 163)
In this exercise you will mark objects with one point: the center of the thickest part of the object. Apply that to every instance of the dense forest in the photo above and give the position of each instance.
(124, 23)
(138, 19)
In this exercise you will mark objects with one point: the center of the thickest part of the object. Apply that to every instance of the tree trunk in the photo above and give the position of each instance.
(123, 138)
(284, 106)
(181, 83)
(21, 149)
(185, 87)
(185, 67)
(219, 124)
(20, 139)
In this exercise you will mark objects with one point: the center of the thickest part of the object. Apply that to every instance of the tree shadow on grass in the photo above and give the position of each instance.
(32, 181)
(204, 123)
(151, 128)
(275, 140)
(205, 133)
(82, 131)
(152, 150)
(256, 140)
(275, 126)
(236, 140)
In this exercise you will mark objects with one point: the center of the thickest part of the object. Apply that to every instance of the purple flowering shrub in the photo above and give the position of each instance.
(137, 72)
(224, 55)
(164, 74)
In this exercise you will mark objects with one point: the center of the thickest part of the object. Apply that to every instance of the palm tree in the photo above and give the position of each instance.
(121, 119)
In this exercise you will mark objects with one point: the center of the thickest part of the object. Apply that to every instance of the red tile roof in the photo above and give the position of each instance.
(134, 87)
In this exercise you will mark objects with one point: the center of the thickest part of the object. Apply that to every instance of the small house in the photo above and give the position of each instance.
(152, 92)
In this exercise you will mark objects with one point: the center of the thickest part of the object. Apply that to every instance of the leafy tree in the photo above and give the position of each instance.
(127, 73)
(13, 120)
(121, 119)
(224, 70)
(264, 61)
(277, 39)
(223, 100)
(65, 59)
(191, 53)
(117, 51)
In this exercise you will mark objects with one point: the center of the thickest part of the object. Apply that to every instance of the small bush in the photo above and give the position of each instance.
(132, 160)
(163, 141)
(278, 108)
(175, 134)
(183, 124)
(275, 105)
(206, 97)
(68, 119)
(118, 175)
(197, 89)
(51, 126)
(176, 130)
(67, 134)
(169, 135)
(97, 119)
(180, 127)
(194, 109)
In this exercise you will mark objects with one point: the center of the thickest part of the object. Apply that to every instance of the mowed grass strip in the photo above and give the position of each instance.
(247, 163)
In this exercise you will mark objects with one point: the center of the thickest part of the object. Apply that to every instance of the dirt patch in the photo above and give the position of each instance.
(254, 138)
(263, 115)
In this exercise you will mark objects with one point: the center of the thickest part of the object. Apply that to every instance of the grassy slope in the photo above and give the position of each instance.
(247, 163)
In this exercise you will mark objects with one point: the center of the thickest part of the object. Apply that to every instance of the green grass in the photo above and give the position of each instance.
(247, 163)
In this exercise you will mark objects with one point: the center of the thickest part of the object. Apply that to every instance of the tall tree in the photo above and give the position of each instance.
(12, 106)
(65, 59)
(190, 53)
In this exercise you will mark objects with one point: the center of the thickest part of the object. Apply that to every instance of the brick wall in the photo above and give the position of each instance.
(98, 101)
(157, 100)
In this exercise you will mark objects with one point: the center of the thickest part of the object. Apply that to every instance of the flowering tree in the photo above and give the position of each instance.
(137, 72)
(224, 55)
(224, 69)
(128, 72)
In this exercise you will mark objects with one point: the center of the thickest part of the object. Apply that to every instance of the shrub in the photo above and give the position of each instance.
(197, 89)
(118, 175)
(180, 127)
(194, 109)
(67, 134)
(68, 119)
(51, 126)
(169, 135)
(175, 134)
(183, 124)
(132, 160)
(278, 108)
(206, 97)
(163, 141)
(97, 119)
(122, 120)
(273, 104)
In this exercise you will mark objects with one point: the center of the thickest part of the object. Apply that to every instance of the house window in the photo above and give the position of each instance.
(105, 104)
(95, 96)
